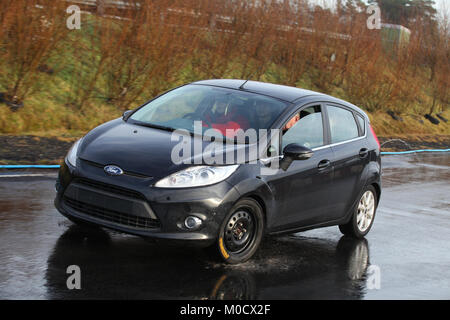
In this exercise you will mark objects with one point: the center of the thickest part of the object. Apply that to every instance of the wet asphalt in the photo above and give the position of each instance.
(405, 256)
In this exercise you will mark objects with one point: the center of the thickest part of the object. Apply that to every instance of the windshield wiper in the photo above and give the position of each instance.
(224, 139)
(156, 126)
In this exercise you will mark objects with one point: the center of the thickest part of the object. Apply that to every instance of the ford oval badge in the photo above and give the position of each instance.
(113, 170)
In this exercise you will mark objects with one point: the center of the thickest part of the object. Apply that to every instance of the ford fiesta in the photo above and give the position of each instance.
(221, 163)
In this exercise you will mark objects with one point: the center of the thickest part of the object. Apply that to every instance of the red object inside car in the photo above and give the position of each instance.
(227, 129)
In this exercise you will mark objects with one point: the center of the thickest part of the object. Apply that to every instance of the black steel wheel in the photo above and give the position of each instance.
(241, 231)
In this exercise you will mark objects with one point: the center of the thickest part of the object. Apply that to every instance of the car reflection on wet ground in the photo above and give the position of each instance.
(405, 256)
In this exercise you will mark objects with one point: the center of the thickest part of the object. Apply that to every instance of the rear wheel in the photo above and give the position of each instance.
(363, 215)
(241, 232)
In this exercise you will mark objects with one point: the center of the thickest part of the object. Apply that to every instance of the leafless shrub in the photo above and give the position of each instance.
(27, 36)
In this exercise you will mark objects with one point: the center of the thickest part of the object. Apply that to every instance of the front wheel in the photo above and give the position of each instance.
(363, 215)
(241, 232)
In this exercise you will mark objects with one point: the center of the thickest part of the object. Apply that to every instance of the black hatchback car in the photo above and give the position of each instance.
(221, 163)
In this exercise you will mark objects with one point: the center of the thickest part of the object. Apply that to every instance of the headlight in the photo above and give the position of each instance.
(72, 154)
(196, 177)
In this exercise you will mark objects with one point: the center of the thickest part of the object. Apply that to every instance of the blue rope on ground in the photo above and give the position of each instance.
(415, 151)
(56, 166)
(19, 166)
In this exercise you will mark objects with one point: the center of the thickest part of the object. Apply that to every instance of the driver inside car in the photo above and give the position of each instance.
(224, 117)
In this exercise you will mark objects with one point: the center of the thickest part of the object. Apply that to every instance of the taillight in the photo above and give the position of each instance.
(375, 136)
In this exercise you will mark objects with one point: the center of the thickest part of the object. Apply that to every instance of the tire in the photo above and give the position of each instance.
(241, 232)
(368, 202)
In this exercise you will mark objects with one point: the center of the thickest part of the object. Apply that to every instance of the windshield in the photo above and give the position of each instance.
(220, 109)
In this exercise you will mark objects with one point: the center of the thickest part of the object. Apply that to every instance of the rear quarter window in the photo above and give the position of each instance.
(362, 124)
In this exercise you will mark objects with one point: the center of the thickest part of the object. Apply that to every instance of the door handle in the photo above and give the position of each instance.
(323, 164)
(363, 153)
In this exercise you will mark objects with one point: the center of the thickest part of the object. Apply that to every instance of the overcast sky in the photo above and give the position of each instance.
(443, 6)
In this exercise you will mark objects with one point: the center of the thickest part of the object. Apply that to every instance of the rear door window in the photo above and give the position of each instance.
(343, 126)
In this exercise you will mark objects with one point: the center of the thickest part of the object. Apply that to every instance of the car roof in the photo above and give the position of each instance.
(286, 93)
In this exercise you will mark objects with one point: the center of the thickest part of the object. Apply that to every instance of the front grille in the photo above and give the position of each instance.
(112, 216)
(126, 172)
(110, 188)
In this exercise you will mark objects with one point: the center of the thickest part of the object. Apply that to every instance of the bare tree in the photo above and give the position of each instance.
(28, 35)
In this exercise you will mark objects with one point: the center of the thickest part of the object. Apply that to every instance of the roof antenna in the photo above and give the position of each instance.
(242, 85)
(248, 79)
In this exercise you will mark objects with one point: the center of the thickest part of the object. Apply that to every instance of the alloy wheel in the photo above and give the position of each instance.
(366, 210)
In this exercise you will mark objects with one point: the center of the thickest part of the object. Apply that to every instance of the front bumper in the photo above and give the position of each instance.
(131, 204)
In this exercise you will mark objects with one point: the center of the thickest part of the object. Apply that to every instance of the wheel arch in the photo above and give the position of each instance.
(378, 191)
(261, 202)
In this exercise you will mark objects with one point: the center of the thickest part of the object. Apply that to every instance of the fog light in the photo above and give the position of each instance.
(192, 222)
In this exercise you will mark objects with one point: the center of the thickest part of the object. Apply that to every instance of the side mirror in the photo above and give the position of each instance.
(126, 114)
(297, 152)
(293, 152)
